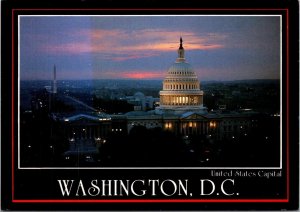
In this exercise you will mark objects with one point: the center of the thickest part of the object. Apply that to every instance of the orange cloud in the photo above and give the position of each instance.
(142, 74)
(132, 56)
(132, 44)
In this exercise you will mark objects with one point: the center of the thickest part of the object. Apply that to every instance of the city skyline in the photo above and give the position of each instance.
(143, 47)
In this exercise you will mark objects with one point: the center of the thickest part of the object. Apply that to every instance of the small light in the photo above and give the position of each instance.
(29, 146)
(66, 119)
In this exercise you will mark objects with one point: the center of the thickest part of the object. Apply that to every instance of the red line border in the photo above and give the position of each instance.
(155, 200)
(150, 201)
(13, 107)
(287, 109)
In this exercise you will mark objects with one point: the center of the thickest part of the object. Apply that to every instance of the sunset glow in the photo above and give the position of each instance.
(141, 75)
(144, 47)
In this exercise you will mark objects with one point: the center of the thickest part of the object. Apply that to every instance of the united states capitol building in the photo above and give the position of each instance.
(181, 108)
(180, 111)
(181, 102)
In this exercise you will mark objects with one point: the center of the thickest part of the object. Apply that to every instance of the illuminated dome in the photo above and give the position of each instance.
(179, 68)
(181, 87)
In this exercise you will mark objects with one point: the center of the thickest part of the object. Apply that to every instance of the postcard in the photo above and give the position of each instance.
(138, 108)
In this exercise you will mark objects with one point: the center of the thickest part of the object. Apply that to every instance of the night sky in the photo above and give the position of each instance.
(144, 47)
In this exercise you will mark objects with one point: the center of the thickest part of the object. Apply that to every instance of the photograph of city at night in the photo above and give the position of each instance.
(149, 91)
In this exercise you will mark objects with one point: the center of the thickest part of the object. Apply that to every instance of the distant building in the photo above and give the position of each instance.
(141, 102)
(54, 80)
(53, 87)
(85, 132)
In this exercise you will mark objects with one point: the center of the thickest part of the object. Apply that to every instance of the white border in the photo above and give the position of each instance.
(150, 168)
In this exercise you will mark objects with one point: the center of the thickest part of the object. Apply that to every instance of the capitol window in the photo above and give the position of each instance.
(168, 125)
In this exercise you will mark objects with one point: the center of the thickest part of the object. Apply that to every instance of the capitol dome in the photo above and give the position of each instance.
(179, 67)
(181, 87)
